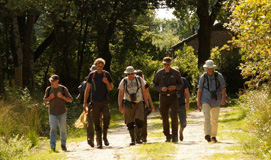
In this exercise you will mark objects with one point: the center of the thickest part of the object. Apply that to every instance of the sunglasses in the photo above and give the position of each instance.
(166, 64)
(130, 74)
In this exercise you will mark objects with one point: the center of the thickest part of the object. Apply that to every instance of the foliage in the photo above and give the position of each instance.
(21, 114)
(14, 148)
(258, 111)
(227, 61)
(251, 21)
(187, 63)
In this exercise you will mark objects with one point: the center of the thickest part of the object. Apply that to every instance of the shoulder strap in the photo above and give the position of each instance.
(48, 91)
(93, 75)
(217, 83)
(125, 85)
(104, 73)
(206, 79)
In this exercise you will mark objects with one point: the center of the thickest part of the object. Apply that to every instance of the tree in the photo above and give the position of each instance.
(251, 21)
(207, 12)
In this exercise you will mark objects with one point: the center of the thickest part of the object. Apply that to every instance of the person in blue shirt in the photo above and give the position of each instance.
(211, 95)
(183, 96)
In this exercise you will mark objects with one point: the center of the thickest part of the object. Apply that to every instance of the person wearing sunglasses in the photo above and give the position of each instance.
(167, 82)
(131, 95)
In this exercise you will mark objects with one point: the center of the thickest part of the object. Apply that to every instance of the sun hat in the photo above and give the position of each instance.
(209, 64)
(129, 69)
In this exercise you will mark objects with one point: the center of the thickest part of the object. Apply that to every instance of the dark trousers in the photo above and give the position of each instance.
(182, 115)
(166, 103)
(90, 125)
(98, 109)
(144, 132)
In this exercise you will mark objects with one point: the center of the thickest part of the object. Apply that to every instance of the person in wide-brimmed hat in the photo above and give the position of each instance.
(131, 95)
(211, 95)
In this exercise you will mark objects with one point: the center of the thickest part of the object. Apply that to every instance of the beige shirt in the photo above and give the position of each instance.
(132, 88)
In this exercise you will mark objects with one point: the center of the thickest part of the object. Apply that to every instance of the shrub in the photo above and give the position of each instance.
(14, 148)
(258, 111)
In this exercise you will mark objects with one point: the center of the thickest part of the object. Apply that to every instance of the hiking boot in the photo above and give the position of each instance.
(138, 135)
(99, 139)
(53, 149)
(91, 142)
(214, 139)
(181, 134)
(175, 139)
(144, 139)
(208, 138)
(132, 135)
(64, 148)
(106, 143)
(168, 139)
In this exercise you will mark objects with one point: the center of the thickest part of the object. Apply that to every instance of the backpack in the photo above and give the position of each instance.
(49, 89)
(216, 81)
(81, 88)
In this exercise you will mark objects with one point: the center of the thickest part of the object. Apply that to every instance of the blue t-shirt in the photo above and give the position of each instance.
(181, 95)
(206, 94)
(98, 87)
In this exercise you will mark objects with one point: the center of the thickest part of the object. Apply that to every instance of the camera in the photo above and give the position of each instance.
(148, 111)
(133, 97)
(214, 95)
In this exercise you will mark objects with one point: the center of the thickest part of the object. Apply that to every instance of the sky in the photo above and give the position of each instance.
(164, 13)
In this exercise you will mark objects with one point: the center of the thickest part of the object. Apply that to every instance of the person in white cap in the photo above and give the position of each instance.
(131, 95)
(211, 95)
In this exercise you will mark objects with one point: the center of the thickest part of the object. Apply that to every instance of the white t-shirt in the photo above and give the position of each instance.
(132, 88)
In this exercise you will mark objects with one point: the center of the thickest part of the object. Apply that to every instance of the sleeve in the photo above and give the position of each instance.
(89, 79)
(121, 85)
(200, 86)
(156, 82)
(222, 81)
(67, 93)
(179, 84)
(46, 94)
(185, 83)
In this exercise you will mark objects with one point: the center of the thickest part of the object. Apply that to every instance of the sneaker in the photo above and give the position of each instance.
(53, 149)
(214, 139)
(208, 138)
(64, 148)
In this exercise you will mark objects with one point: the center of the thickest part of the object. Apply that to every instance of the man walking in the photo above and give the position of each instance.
(211, 95)
(99, 82)
(131, 95)
(167, 82)
(57, 95)
(183, 103)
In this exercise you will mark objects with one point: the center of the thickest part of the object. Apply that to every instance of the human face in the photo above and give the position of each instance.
(131, 76)
(54, 82)
(166, 65)
(210, 71)
(100, 67)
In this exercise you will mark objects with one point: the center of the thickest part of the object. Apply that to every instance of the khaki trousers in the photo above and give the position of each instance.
(136, 112)
(210, 119)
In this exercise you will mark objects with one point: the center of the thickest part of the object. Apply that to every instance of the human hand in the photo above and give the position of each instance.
(153, 108)
(199, 106)
(59, 95)
(105, 80)
(121, 109)
(164, 89)
(171, 88)
(186, 106)
(52, 96)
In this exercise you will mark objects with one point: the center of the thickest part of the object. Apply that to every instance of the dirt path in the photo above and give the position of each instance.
(193, 147)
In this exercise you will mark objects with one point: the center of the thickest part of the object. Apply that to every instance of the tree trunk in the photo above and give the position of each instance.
(28, 59)
(19, 53)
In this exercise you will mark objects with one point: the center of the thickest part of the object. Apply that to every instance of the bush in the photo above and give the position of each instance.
(258, 111)
(14, 148)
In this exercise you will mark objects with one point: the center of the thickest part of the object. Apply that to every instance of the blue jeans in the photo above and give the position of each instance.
(182, 115)
(61, 121)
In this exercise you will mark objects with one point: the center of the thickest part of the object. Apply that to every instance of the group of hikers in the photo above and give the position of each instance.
(135, 102)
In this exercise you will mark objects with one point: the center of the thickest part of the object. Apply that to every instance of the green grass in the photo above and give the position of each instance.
(232, 126)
